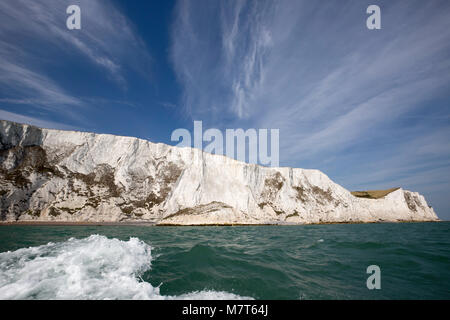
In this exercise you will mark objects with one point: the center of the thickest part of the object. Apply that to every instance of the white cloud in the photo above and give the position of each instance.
(332, 87)
(24, 82)
(11, 116)
(106, 37)
(34, 39)
(313, 70)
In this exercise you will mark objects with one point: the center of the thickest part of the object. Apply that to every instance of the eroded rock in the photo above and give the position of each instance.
(51, 175)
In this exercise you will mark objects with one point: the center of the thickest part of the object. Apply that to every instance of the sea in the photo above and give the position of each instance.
(309, 262)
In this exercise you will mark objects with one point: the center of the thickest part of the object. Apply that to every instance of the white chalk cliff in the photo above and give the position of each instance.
(52, 175)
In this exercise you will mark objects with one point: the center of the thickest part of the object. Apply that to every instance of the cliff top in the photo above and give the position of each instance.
(373, 194)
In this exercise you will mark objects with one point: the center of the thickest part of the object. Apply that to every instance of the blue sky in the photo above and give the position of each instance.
(370, 108)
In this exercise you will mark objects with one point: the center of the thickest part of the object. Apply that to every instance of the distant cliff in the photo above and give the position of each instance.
(51, 175)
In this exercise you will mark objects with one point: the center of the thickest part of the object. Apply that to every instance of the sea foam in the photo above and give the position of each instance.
(91, 268)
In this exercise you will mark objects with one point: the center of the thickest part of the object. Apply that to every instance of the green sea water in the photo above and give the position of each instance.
(259, 262)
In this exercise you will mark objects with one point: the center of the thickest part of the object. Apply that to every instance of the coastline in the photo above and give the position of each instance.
(149, 224)
(65, 190)
(81, 224)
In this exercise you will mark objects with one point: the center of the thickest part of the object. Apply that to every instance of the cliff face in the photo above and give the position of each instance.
(51, 175)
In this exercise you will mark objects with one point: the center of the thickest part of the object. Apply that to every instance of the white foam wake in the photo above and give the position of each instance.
(92, 268)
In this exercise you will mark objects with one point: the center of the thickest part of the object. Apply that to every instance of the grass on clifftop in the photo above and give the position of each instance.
(373, 194)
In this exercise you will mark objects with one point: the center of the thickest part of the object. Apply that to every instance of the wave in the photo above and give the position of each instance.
(92, 268)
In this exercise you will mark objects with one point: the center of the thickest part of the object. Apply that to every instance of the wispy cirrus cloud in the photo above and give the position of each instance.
(21, 81)
(106, 37)
(220, 53)
(11, 116)
(34, 36)
(332, 87)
